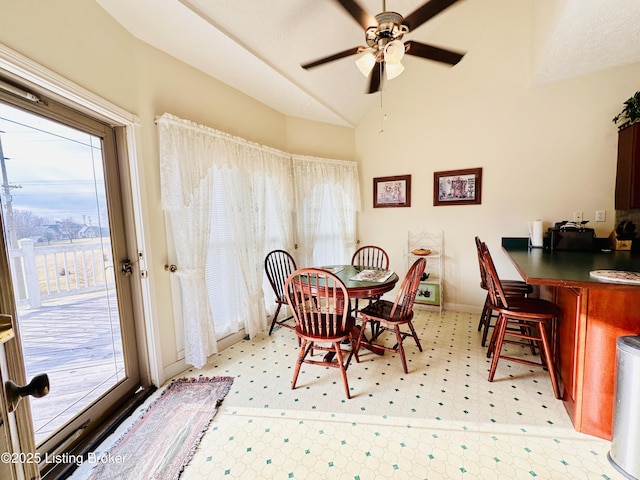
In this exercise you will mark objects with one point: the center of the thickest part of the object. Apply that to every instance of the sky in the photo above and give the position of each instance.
(58, 169)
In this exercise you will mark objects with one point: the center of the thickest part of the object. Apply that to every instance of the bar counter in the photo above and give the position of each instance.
(594, 314)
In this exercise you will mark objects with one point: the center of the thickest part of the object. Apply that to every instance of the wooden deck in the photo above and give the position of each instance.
(76, 341)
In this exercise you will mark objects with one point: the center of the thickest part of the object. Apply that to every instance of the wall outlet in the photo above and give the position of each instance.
(577, 217)
(601, 216)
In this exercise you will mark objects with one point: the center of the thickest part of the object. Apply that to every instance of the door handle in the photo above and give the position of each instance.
(37, 387)
(126, 267)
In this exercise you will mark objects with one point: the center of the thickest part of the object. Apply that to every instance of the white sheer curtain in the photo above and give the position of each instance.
(250, 172)
(185, 170)
(260, 188)
(322, 184)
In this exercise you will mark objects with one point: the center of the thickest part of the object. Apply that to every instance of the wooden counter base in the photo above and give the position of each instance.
(591, 321)
(593, 315)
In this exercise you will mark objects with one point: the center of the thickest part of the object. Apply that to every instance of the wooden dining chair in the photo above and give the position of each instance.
(278, 265)
(530, 319)
(394, 316)
(370, 256)
(320, 305)
(511, 288)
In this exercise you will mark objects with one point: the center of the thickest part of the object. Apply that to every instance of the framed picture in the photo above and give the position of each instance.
(457, 187)
(428, 294)
(392, 191)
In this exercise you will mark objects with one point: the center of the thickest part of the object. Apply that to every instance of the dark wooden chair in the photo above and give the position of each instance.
(370, 256)
(511, 288)
(320, 305)
(393, 316)
(278, 265)
(532, 321)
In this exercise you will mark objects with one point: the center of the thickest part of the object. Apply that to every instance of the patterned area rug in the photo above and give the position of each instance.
(162, 441)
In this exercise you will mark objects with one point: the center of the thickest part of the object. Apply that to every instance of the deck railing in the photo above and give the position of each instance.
(52, 271)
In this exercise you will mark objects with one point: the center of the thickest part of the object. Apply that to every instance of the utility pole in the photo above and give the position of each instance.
(6, 187)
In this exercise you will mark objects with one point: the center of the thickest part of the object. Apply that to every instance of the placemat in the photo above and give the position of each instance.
(372, 276)
(618, 276)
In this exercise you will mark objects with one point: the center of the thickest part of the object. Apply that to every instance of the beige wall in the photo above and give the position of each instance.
(81, 42)
(305, 137)
(546, 151)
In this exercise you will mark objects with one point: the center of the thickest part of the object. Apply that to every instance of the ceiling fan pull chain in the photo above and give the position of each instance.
(383, 115)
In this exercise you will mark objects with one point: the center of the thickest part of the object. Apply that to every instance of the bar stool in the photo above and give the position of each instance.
(512, 288)
(530, 319)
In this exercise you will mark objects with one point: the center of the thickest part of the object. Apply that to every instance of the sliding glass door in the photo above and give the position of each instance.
(65, 243)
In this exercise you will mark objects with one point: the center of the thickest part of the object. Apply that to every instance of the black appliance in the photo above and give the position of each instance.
(570, 236)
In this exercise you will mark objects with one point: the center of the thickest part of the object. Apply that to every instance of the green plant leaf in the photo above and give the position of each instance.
(631, 110)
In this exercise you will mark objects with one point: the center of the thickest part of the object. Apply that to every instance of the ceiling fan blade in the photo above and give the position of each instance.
(426, 12)
(376, 77)
(331, 58)
(365, 19)
(432, 53)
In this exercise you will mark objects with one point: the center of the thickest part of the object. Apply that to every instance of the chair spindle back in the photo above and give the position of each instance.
(496, 292)
(370, 256)
(403, 305)
(480, 245)
(320, 303)
(278, 265)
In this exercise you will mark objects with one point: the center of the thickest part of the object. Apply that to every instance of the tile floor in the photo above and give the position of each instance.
(442, 420)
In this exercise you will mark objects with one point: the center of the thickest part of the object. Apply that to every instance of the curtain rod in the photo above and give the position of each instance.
(168, 118)
(7, 87)
(331, 161)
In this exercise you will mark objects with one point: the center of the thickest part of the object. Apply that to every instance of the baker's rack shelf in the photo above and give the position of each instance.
(431, 290)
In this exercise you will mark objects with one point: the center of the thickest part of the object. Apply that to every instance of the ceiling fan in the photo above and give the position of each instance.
(385, 49)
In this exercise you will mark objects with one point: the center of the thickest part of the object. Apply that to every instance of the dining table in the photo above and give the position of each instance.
(359, 280)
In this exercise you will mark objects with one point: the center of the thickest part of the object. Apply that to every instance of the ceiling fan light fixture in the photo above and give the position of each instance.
(384, 46)
(392, 70)
(393, 52)
(365, 63)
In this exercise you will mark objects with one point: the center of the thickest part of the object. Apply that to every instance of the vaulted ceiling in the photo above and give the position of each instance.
(258, 46)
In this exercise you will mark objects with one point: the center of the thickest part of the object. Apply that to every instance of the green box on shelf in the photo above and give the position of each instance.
(428, 293)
